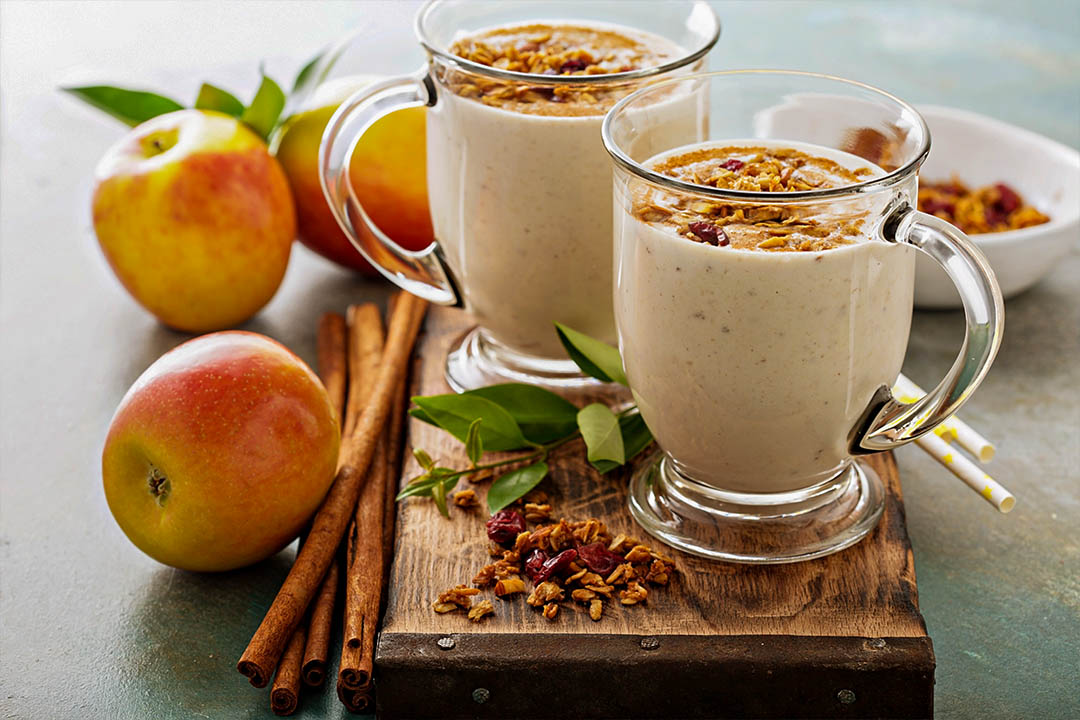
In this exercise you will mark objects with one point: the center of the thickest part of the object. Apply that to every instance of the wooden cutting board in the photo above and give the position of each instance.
(841, 636)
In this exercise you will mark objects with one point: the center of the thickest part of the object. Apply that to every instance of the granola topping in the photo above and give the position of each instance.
(554, 50)
(745, 226)
(993, 208)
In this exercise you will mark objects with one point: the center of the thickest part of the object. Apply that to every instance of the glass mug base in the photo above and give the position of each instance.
(477, 360)
(769, 528)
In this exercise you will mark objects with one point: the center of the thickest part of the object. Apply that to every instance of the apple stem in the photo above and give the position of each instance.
(159, 485)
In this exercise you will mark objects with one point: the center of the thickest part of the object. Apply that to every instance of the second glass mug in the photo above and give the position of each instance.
(520, 203)
(762, 374)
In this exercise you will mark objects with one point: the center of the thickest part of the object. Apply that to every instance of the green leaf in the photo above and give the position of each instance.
(422, 416)
(600, 429)
(455, 413)
(419, 485)
(423, 458)
(510, 486)
(265, 108)
(422, 485)
(635, 434)
(474, 446)
(318, 68)
(438, 494)
(212, 97)
(595, 358)
(542, 415)
(128, 106)
(307, 73)
(636, 437)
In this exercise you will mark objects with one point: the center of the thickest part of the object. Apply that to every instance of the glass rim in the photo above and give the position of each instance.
(534, 79)
(872, 185)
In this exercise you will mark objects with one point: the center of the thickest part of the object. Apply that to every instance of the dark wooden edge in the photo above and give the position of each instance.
(670, 676)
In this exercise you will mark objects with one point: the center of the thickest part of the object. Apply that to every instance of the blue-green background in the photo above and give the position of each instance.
(91, 628)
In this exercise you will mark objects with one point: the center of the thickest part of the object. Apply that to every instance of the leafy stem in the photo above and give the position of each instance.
(515, 416)
(264, 114)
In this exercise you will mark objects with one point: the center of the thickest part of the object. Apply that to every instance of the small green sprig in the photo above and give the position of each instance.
(263, 114)
(519, 417)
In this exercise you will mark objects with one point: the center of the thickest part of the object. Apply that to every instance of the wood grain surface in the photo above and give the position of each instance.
(818, 623)
(866, 591)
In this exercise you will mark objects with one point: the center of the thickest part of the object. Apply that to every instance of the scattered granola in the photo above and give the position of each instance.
(466, 499)
(485, 577)
(554, 50)
(480, 609)
(993, 208)
(544, 593)
(537, 512)
(509, 586)
(633, 594)
(456, 598)
(577, 563)
(747, 226)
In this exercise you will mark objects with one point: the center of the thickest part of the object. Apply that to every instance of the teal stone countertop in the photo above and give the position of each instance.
(91, 628)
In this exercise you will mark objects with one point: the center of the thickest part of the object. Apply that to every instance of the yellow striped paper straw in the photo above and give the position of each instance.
(973, 476)
(951, 429)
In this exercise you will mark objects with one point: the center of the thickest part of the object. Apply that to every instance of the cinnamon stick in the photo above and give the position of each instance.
(355, 701)
(350, 654)
(365, 340)
(286, 612)
(333, 356)
(317, 648)
(333, 359)
(364, 581)
(393, 471)
(364, 562)
(285, 694)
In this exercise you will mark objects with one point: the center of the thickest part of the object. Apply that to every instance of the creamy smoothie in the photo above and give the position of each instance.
(520, 184)
(754, 336)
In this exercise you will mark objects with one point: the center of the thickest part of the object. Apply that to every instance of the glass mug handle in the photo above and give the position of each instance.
(889, 423)
(424, 272)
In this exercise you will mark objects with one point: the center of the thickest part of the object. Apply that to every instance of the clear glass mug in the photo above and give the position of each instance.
(520, 201)
(765, 375)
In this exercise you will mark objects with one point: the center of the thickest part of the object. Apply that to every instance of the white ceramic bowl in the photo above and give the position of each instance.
(982, 151)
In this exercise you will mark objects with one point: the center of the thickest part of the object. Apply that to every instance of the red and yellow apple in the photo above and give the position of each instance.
(388, 175)
(196, 219)
(220, 452)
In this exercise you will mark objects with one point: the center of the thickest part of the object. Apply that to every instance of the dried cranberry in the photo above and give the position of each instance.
(1008, 200)
(572, 65)
(551, 566)
(709, 233)
(598, 558)
(994, 215)
(547, 92)
(535, 564)
(733, 165)
(934, 206)
(503, 527)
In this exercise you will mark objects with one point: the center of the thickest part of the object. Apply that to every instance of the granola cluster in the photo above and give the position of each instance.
(993, 208)
(559, 564)
(746, 226)
(550, 50)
